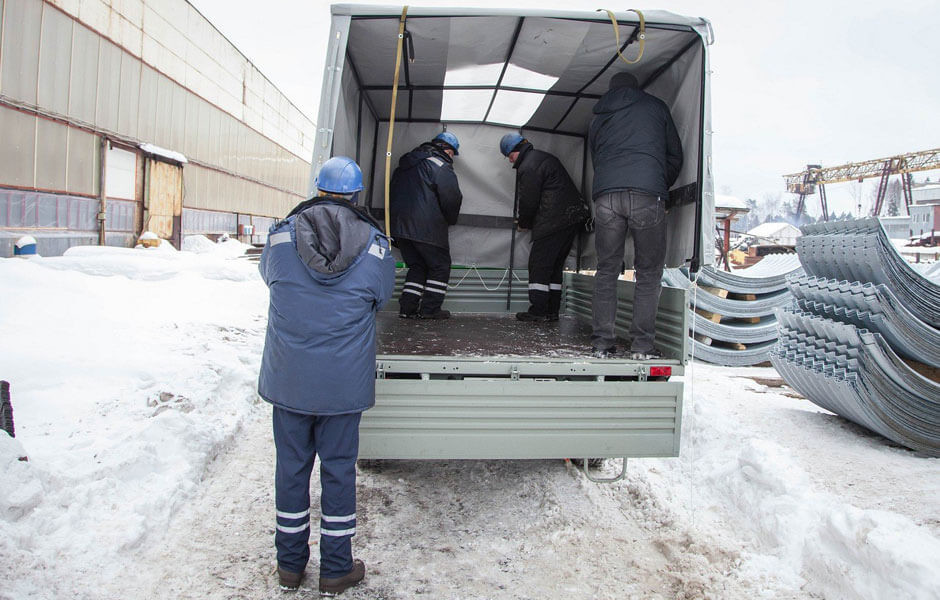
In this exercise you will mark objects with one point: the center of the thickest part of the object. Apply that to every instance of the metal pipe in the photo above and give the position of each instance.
(102, 197)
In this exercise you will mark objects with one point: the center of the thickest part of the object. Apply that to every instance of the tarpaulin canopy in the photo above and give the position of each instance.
(480, 73)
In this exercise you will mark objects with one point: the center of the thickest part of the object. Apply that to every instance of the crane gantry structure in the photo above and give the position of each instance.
(815, 177)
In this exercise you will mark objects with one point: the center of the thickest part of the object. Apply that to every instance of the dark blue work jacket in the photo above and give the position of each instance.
(329, 269)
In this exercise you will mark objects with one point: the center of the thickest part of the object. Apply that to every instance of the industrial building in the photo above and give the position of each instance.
(118, 117)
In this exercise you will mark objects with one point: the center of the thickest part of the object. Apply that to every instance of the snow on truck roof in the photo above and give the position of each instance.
(494, 67)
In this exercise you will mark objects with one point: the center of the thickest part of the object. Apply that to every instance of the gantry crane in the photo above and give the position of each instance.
(815, 177)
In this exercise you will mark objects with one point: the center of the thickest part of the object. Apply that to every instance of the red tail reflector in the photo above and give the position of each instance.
(660, 371)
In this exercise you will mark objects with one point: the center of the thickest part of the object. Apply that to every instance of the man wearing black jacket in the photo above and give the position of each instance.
(551, 206)
(425, 201)
(637, 155)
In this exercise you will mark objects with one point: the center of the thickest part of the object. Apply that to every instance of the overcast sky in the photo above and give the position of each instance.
(796, 82)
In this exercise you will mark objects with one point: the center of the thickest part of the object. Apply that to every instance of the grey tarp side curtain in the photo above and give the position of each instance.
(557, 63)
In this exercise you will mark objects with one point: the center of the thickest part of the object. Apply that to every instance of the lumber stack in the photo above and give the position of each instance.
(861, 338)
(732, 314)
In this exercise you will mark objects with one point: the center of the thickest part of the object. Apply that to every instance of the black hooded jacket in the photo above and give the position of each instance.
(634, 143)
(548, 199)
(425, 197)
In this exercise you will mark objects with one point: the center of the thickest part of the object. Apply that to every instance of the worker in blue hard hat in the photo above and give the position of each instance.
(550, 205)
(329, 268)
(425, 201)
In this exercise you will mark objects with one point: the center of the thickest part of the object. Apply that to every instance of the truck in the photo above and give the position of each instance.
(483, 385)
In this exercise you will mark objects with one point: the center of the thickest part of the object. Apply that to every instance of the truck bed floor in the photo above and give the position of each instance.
(484, 335)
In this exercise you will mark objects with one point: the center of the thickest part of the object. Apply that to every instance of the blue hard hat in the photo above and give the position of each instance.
(340, 175)
(508, 142)
(449, 139)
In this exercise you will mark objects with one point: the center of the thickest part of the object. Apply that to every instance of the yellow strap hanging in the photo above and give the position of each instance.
(391, 118)
(641, 36)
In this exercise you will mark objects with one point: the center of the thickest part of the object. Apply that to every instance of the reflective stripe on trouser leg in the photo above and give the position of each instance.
(295, 446)
(438, 261)
(410, 299)
(338, 448)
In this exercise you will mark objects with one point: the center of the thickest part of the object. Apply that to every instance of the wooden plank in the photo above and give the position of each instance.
(714, 291)
(747, 297)
(703, 339)
(713, 317)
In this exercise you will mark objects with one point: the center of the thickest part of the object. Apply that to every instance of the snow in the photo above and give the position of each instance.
(164, 153)
(150, 470)
(726, 201)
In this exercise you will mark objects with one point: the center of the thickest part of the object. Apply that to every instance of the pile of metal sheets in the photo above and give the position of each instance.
(733, 313)
(861, 337)
(861, 251)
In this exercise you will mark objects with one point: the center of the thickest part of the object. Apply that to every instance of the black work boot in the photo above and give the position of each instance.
(288, 580)
(527, 316)
(332, 586)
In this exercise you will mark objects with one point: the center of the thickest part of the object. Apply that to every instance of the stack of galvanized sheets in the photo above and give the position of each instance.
(861, 338)
(733, 313)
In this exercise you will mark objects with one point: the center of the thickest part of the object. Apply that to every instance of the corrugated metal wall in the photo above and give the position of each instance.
(142, 72)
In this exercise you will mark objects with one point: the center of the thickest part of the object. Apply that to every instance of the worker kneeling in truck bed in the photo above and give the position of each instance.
(329, 268)
(425, 200)
(551, 206)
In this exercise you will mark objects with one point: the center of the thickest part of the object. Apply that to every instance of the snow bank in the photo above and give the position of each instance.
(132, 370)
(736, 475)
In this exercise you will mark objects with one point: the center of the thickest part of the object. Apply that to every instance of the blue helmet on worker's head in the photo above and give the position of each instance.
(450, 139)
(508, 142)
(339, 175)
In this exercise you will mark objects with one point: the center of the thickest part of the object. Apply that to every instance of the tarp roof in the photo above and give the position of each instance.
(494, 68)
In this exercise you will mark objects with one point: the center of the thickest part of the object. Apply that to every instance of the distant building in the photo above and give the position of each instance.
(897, 228)
(925, 222)
(774, 234)
(145, 108)
(926, 193)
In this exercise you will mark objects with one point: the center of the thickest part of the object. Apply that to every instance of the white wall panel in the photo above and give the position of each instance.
(109, 86)
(95, 14)
(55, 52)
(52, 140)
(21, 27)
(83, 93)
(147, 106)
(18, 148)
(129, 98)
(82, 174)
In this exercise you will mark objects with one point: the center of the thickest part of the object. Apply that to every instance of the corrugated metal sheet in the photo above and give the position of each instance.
(861, 309)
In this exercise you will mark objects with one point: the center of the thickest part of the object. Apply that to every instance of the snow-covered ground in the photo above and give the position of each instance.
(150, 470)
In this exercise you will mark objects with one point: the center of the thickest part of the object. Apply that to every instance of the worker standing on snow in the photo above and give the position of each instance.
(637, 155)
(551, 206)
(329, 268)
(425, 201)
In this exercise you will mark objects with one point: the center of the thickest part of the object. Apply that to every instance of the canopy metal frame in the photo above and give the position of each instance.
(365, 93)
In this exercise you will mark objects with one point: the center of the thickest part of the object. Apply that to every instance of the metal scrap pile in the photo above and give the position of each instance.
(862, 337)
(733, 313)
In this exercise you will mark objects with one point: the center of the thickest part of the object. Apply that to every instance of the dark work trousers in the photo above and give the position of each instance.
(644, 215)
(426, 281)
(546, 263)
(298, 439)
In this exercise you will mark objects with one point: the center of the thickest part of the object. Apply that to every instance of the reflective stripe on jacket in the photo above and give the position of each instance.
(425, 197)
(329, 269)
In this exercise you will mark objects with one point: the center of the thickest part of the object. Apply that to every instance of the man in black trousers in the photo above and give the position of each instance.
(424, 201)
(552, 208)
(637, 155)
